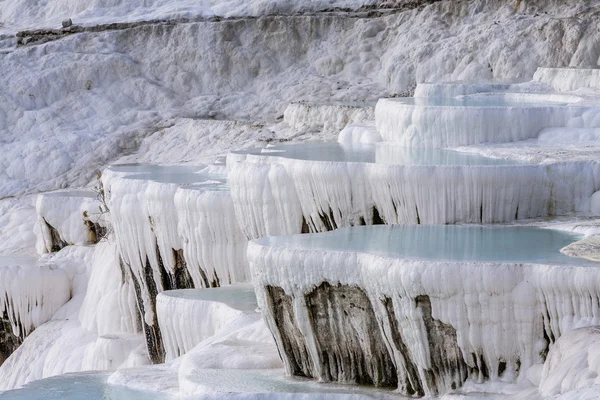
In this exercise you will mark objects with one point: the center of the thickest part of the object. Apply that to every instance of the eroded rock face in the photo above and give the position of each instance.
(179, 278)
(349, 343)
(346, 338)
(448, 369)
(56, 242)
(409, 380)
(8, 341)
(291, 340)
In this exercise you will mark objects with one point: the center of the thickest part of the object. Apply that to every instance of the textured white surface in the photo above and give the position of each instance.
(327, 117)
(569, 79)
(30, 293)
(472, 119)
(240, 70)
(50, 13)
(67, 212)
(359, 133)
(572, 363)
(189, 316)
(272, 195)
(152, 219)
(97, 329)
(501, 311)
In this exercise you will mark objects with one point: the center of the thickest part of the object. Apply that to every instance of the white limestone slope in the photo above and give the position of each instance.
(569, 79)
(239, 70)
(327, 117)
(572, 363)
(46, 14)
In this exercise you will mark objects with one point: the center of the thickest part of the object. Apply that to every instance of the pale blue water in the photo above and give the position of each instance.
(159, 169)
(239, 297)
(81, 386)
(178, 174)
(444, 243)
(223, 383)
(379, 153)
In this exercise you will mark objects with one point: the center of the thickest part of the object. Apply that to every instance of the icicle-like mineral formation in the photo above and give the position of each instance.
(421, 308)
(67, 218)
(472, 119)
(176, 229)
(30, 293)
(288, 189)
(187, 317)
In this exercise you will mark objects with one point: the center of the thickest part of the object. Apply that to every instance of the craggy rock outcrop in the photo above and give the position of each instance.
(349, 344)
(8, 340)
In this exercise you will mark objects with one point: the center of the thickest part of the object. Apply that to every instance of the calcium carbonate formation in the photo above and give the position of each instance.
(421, 308)
(417, 306)
(175, 229)
(30, 294)
(68, 218)
(472, 119)
(188, 316)
(275, 193)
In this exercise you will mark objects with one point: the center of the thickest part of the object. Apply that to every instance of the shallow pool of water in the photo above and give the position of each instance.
(239, 297)
(178, 174)
(81, 386)
(513, 244)
(380, 153)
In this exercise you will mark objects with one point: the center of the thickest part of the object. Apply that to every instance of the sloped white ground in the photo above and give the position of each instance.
(64, 98)
(50, 14)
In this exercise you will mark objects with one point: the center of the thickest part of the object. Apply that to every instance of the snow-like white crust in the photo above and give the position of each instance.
(359, 133)
(63, 346)
(48, 14)
(274, 195)
(196, 69)
(98, 329)
(572, 363)
(569, 79)
(69, 213)
(109, 306)
(500, 311)
(327, 117)
(189, 316)
(30, 293)
(423, 124)
(154, 219)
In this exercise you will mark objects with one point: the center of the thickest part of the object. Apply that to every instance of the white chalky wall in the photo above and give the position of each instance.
(66, 213)
(426, 125)
(31, 294)
(186, 322)
(97, 329)
(501, 312)
(172, 236)
(274, 195)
